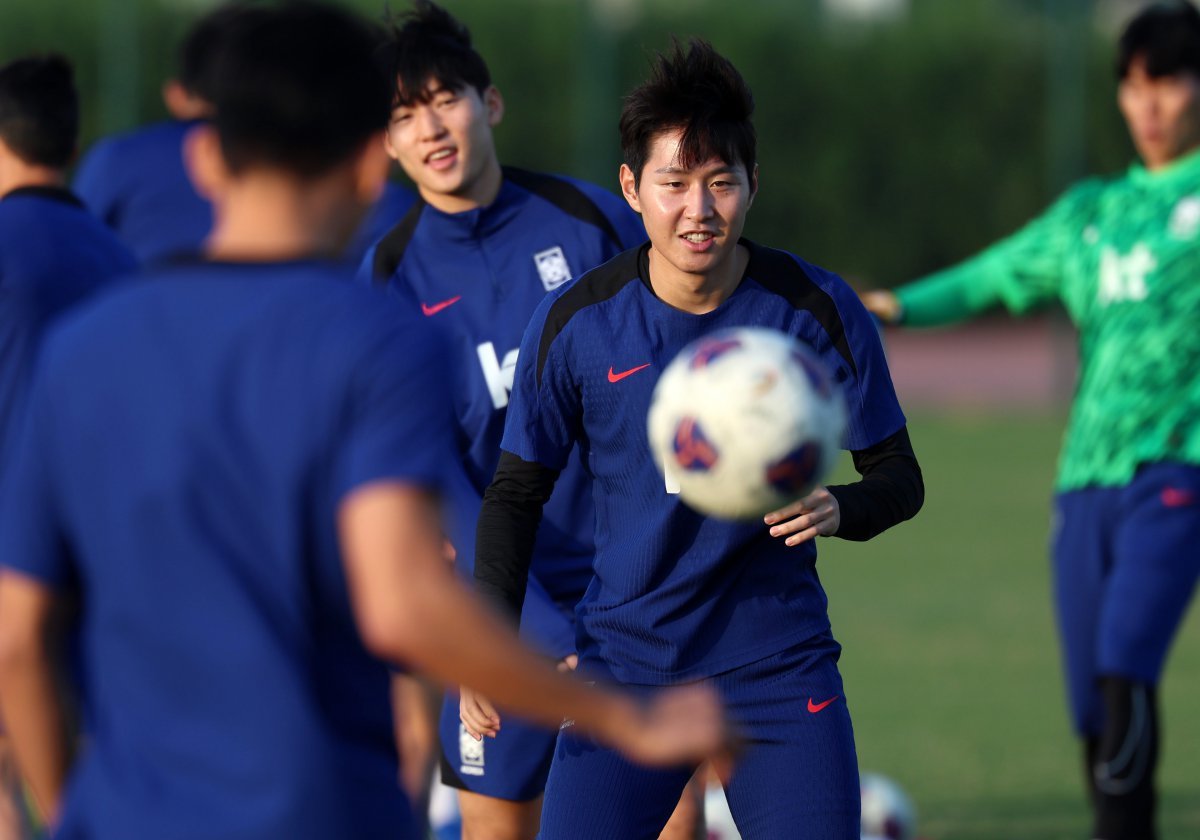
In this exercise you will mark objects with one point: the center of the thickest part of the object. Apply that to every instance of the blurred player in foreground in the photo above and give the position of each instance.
(678, 597)
(1123, 256)
(53, 254)
(476, 255)
(234, 463)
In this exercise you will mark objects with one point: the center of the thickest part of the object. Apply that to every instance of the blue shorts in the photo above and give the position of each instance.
(512, 766)
(797, 778)
(1126, 560)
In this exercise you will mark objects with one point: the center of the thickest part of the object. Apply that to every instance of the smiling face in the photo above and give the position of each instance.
(693, 216)
(1162, 112)
(443, 142)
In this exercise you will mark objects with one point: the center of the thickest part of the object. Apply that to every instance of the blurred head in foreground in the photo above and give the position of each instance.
(299, 103)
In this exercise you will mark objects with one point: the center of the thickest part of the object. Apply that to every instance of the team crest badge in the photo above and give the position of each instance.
(552, 267)
(470, 753)
(1185, 218)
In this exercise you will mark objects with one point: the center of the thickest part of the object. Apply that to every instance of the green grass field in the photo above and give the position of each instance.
(951, 659)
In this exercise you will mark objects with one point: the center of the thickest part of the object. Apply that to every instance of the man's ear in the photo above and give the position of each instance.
(370, 171)
(204, 162)
(629, 187)
(753, 186)
(494, 103)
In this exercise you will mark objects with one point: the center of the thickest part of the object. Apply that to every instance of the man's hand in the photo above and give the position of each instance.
(817, 514)
(679, 726)
(477, 714)
(884, 305)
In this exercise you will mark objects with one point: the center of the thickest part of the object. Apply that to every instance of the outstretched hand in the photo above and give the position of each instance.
(817, 514)
(883, 304)
(679, 726)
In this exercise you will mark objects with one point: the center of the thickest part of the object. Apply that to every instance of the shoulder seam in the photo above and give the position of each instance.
(596, 286)
(567, 197)
(776, 271)
(389, 251)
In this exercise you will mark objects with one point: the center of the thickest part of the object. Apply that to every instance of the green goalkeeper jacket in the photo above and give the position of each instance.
(1123, 256)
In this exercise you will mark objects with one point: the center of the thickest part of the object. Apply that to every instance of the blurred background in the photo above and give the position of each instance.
(896, 137)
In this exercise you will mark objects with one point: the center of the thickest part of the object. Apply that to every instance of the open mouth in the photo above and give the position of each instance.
(442, 158)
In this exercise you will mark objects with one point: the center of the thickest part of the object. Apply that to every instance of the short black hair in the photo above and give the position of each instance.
(699, 92)
(428, 44)
(201, 43)
(1166, 36)
(295, 88)
(39, 110)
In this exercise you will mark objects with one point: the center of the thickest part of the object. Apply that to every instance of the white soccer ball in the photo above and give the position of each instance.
(744, 421)
(887, 813)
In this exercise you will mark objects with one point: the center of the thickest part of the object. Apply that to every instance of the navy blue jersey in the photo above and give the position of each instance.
(191, 438)
(53, 254)
(480, 275)
(677, 595)
(136, 183)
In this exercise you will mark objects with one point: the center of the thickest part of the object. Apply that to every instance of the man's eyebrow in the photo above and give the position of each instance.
(680, 170)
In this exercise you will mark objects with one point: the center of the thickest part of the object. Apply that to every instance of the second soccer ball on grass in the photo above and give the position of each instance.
(744, 421)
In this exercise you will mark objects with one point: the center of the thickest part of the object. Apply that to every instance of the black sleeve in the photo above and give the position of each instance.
(508, 523)
(891, 489)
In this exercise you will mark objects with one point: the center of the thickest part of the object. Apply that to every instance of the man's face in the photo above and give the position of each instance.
(694, 216)
(1163, 112)
(444, 144)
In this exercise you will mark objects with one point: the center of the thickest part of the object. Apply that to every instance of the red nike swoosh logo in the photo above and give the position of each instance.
(617, 377)
(1177, 497)
(816, 707)
(438, 307)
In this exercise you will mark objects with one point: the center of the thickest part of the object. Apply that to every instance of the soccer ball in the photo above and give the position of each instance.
(744, 421)
(887, 813)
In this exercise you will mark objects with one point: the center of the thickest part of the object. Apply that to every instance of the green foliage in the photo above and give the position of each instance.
(886, 150)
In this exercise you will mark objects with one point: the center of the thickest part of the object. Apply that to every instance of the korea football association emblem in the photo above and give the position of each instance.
(552, 267)
(1185, 218)
(470, 753)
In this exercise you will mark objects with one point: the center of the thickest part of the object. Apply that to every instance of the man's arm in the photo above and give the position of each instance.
(29, 699)
(891, 491)
(410, 607)
(1019, 272)
(508, 523)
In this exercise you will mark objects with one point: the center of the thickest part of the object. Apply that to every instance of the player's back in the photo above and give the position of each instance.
(137, 184)
(215, 422)
(53, 254)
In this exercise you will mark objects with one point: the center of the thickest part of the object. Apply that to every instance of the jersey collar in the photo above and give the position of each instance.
(1186, 168)
(61, 194)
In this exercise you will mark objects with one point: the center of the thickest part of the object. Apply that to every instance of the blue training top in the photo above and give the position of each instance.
(138, 186)
(191, 438)
(480, 275)
(677, 595)
(53, 254)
